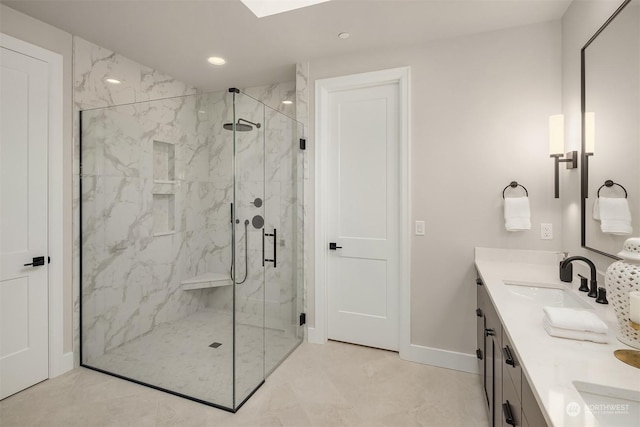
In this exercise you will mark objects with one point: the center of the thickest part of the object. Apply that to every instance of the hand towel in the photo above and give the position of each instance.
(576, 320)
(596, 209)
(517, 215)
(574, 335)
(615, 216)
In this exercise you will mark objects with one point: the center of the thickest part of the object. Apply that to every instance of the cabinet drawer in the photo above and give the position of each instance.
(530, 407)
(511, 365)
(510, 407)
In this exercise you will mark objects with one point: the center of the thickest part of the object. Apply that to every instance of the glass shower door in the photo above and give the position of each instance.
(248, 266)
(284, 169)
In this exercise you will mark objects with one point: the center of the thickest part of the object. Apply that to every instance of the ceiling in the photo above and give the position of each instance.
(176, 37)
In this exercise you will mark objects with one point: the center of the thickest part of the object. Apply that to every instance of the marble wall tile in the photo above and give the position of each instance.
(93, 64)
(273, 96)
(127, 290)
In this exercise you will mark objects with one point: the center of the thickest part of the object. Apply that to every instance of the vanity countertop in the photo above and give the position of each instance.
(552, 364)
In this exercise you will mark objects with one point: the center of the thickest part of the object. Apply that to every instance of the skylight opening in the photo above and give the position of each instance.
(262, 8)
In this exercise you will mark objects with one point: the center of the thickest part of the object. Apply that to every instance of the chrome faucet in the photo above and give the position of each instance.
(566, 275)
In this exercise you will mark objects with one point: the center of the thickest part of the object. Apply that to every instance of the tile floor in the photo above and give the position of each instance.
(318, 385)
(176, 356)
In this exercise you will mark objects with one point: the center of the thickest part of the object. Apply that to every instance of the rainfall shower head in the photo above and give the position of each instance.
(241, 127)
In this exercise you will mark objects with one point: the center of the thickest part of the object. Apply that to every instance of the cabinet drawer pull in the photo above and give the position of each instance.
(478, 312)
(508, 416)
(508, 357)
(479, 354)
(489, 332)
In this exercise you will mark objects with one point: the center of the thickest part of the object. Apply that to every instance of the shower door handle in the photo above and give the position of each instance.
(275, 246)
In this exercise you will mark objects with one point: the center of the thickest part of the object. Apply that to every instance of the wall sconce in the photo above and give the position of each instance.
(556, 149)
(589, 133)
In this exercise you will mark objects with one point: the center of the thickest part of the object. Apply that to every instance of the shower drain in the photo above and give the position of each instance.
(215, 345)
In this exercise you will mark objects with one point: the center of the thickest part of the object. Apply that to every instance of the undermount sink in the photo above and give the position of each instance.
(610, 406)
(546, 294)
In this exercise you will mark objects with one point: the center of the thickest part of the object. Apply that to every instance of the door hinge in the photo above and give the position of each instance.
(303, 144)
(479, 354)
(303, 318)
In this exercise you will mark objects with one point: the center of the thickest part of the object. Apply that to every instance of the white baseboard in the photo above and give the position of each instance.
(61, 365)
(420, 354)
(441, 358)
(314, 337)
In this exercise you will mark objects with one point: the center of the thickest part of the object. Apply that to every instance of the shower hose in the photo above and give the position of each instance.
(246, 259)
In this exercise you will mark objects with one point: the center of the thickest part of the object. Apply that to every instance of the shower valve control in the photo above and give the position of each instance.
(333, 246)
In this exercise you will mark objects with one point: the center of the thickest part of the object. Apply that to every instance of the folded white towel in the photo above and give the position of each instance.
(517, 215)
(596, 209)
(574, 335)
(615, 216)
(576, 320)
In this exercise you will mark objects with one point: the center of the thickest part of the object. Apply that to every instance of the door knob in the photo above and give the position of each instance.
(333, 246)
(37, 261)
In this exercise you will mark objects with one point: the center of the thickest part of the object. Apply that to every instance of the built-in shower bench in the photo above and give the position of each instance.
(206, 280)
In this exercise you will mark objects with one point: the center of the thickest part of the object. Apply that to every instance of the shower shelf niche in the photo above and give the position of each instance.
(164, 214)
(164, 162)
(206, 280)
(164, 188)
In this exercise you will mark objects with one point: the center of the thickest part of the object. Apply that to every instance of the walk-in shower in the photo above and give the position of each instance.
(178, 291)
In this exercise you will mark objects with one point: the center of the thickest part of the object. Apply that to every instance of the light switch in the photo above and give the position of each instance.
(419, 228)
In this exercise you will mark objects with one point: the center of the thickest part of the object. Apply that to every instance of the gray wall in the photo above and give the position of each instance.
(31, 30)
(480, 107)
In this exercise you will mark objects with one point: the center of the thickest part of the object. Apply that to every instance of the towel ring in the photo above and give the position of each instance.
(514, 184)
(609, 183)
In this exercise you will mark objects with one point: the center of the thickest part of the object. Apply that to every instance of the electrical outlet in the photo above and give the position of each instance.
(546, 231)
(419, 228)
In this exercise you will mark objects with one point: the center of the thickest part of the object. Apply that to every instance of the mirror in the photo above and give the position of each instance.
(611, 131)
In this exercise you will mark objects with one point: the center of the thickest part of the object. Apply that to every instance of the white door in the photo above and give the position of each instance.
(363, 196)
(23, 221)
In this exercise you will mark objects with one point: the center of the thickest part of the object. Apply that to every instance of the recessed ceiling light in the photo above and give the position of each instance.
(112, 81)
(344, 35)
(262, 8)
(287, 102)
(216, 60)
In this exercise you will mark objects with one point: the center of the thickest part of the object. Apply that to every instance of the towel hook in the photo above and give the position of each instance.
(609, 183)
(514, 184)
